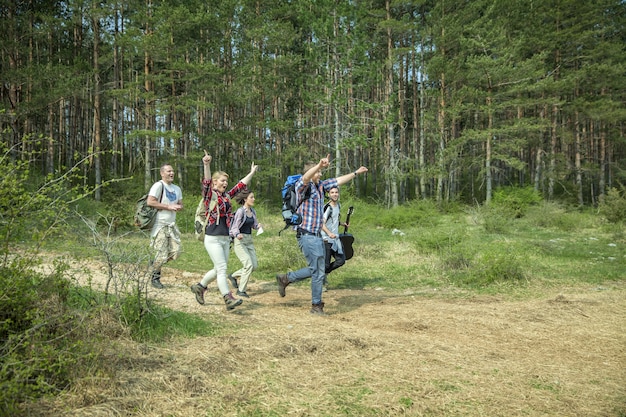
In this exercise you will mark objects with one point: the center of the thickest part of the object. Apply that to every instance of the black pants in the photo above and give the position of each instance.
(338, 258)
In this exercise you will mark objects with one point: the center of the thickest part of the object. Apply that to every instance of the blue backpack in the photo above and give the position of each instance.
(290, 205)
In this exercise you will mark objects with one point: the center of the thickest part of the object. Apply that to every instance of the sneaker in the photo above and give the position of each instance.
(156, 283)
(317, 309)
(283, 282)
(231, 302)
(324, 288)
(242, 294)
(198, 290)
(233, 281)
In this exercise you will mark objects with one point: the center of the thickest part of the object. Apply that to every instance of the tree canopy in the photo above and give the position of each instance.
(441, 100)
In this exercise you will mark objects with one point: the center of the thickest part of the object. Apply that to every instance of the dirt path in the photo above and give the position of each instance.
(376, 353)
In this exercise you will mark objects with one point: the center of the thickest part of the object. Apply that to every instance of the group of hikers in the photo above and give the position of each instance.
(317, 234)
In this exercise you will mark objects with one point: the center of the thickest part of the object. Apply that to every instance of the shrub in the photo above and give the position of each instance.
(514, 200)
(494, 267)
(613, 206)
(42, 341)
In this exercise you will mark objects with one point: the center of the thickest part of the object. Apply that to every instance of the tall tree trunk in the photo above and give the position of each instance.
(422, 127)
(96, 104)
(391, 177)
(602, 180)
(553, 144)
(488, 173)
(147, 110)
(442, 136)
(577, 158)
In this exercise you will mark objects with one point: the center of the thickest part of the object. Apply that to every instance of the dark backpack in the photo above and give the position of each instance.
(144, 214)
(290, 198)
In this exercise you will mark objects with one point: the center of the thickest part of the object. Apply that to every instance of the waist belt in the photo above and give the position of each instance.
(302, 232)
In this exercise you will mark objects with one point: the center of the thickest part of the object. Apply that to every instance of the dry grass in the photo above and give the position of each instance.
(376, 353)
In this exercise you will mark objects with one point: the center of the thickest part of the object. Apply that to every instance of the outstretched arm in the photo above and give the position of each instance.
(349, 177)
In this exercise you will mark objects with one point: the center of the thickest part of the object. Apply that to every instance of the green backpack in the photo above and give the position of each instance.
(144, 214)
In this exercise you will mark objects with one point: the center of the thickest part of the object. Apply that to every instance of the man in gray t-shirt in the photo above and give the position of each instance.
(330, 233)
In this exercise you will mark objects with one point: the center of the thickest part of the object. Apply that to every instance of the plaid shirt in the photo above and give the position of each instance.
(312, 210)
(223, 201)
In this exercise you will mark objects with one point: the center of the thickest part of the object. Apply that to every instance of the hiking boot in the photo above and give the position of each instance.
(156, 280)
(198, 290)
(242, 294)
(317, 309)
(282, 281)
(233, 281)
(231, 302)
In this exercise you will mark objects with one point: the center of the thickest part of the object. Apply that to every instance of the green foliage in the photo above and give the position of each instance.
(495, 266)
(514, 201)
(613, 206)
(411, 214)
(494, 219)
(43, 342)
(552, 215)
(161, 324)
(51, 329)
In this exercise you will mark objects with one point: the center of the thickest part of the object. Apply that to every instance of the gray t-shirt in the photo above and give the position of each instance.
(331, 219)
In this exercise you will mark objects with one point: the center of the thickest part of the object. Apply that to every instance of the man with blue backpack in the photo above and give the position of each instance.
(308, 220)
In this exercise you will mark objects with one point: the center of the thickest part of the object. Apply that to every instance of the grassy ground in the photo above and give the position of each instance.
(468, 313)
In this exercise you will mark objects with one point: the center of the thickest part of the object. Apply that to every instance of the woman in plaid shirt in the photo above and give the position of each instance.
(216, 239)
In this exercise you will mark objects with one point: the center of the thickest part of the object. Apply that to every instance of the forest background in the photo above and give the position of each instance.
(440, 100)
(451, 105)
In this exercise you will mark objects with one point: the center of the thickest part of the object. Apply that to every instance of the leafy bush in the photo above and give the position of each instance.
(514, 200)
(613, 206)
(42, 343)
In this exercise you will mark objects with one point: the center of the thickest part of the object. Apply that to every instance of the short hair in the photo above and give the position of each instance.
(308, 165)
(163, 167)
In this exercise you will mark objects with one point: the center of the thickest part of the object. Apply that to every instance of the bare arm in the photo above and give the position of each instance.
(349, 177)
(323, 163)
(206, 161)
(153, 202)
(248, 177)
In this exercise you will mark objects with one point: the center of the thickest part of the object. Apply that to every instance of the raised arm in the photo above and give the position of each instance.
(206, 161)
(323, 163)
(247, 178)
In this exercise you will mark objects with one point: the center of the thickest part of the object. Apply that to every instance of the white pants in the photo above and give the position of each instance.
(218, 248)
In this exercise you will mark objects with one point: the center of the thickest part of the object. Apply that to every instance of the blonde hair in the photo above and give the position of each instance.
(218, 174)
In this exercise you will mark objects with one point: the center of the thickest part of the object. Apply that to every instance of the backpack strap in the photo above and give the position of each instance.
(162, 189)
(212, 205)
(326, 212)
